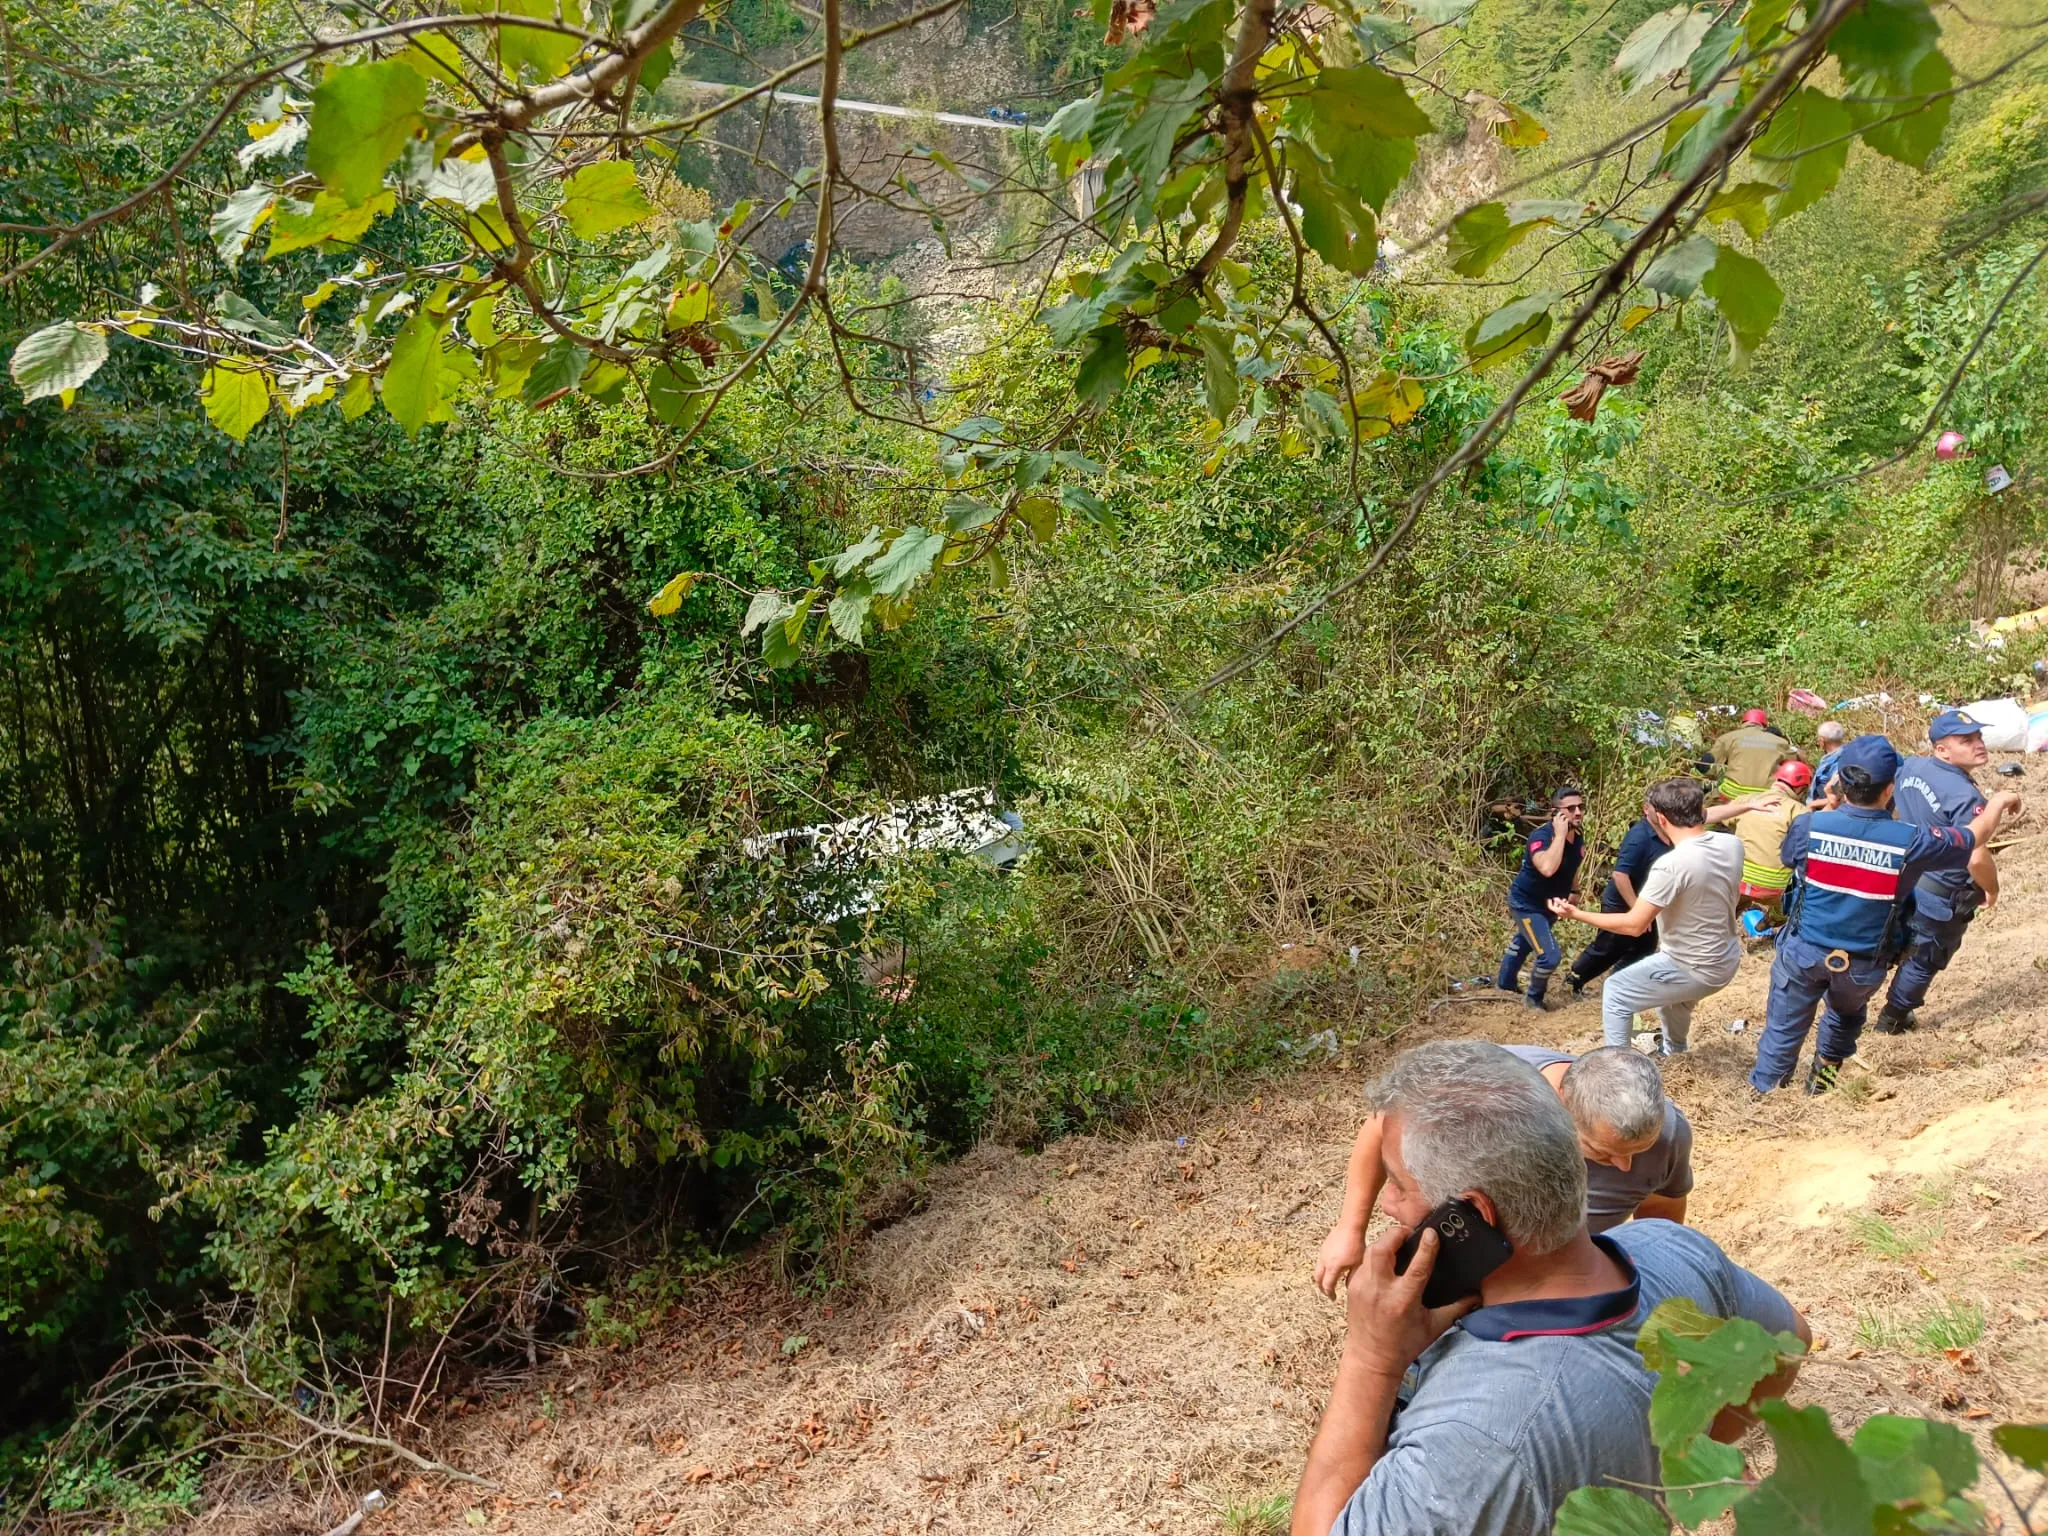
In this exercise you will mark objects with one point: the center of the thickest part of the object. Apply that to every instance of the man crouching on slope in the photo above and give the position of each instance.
(1478, 1420)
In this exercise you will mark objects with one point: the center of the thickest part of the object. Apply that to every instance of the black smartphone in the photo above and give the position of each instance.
(1469, 1248)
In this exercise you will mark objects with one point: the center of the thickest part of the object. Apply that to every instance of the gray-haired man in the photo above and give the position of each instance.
(1637, 1146)
(1478, 1422)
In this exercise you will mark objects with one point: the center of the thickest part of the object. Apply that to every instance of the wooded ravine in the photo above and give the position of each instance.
(479, 476)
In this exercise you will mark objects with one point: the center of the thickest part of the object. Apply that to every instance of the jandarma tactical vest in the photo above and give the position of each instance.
(1852, 897)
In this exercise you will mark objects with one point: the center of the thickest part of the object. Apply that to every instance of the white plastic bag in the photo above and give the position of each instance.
(2037, 730)
(2004, 721)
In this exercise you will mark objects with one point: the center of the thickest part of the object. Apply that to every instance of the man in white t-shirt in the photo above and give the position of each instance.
(1691, 894)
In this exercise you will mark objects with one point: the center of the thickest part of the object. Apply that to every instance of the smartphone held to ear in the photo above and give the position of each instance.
(1469, 1248)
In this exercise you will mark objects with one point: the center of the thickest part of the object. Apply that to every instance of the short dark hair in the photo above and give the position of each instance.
(1565, 792)
(1858, 787)
(1678, 800)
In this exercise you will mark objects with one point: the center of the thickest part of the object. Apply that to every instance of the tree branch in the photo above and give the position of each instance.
(1801, 57)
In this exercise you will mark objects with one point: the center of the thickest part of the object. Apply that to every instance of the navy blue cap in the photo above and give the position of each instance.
(1875, 755)
(1953, 722)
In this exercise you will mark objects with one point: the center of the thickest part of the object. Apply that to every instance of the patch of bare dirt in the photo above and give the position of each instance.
(1121, 1335)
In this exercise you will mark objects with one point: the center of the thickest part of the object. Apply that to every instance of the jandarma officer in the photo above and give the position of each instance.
(1854, 868)
(1938, 791)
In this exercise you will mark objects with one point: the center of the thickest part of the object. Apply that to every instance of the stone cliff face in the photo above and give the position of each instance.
(950, 67)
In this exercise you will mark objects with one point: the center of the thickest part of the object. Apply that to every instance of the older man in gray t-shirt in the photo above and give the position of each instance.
(1637, 1143)
(1479, 1422)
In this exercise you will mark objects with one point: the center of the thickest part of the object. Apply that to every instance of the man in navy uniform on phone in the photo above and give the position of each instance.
(1937, 791)
(1551, 856)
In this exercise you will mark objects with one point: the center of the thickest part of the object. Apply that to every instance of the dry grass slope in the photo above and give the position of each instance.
(1121, 1335)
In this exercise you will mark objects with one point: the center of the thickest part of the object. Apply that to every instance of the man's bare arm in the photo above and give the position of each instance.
(1363, 1175)
(1636, 920)
(1662, 1208)
(1385, 1328)
(1732, 1423)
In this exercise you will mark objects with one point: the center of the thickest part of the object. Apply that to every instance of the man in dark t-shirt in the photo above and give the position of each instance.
(1640, 849)
(1550, 869)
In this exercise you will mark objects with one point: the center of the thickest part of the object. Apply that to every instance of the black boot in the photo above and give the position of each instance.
(1822, 1075)
(1892, 1021)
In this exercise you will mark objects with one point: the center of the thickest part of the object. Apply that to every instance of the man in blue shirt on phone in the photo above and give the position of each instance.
(1550, 868)
(1478, 1417)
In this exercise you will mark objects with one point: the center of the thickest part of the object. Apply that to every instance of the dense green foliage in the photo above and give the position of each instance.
(388, 941)
(1895, 1474)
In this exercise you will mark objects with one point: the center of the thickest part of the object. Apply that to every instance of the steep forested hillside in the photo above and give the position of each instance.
(413, 624)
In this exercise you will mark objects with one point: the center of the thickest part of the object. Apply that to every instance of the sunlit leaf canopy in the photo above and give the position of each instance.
(526, 134)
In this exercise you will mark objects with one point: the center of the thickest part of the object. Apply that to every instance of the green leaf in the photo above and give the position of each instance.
(545, 53)
(1678, 269)
(1804, 149)
(1510, 330)
(1677, 1317)
(1885, 37)
(1661, 45)
(1608, 1512)
(854, 556)
(237, 219)
(1366, 100)
(463, 181)
(412, 378)
(558, 370)
(603, 197)
(1818, 1487)
(676, 396)
(362, 116)
(1335, 223)
(1086, 504)
(1481, 236)
(674, 590)
(1704, 1461)
(57, 359)
(357, 396)
(236, 396)
(2026, 1444)
(297, 225)
(908, 558)
(434, 56)
(1365, 164)
(1909, 130)
(964, 514)
(1143, 142)
(1041, 514)
(1692, 136)
(768, 607)
(1747, 203)
(657, 67)
(606, 382)
(1762, 18)
(1748, 297)
(1101, 371)
(1442, 11)
(1700, 1374)
(1916, 1459)
(237, 314)
(1219, 369)
(848, 614)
